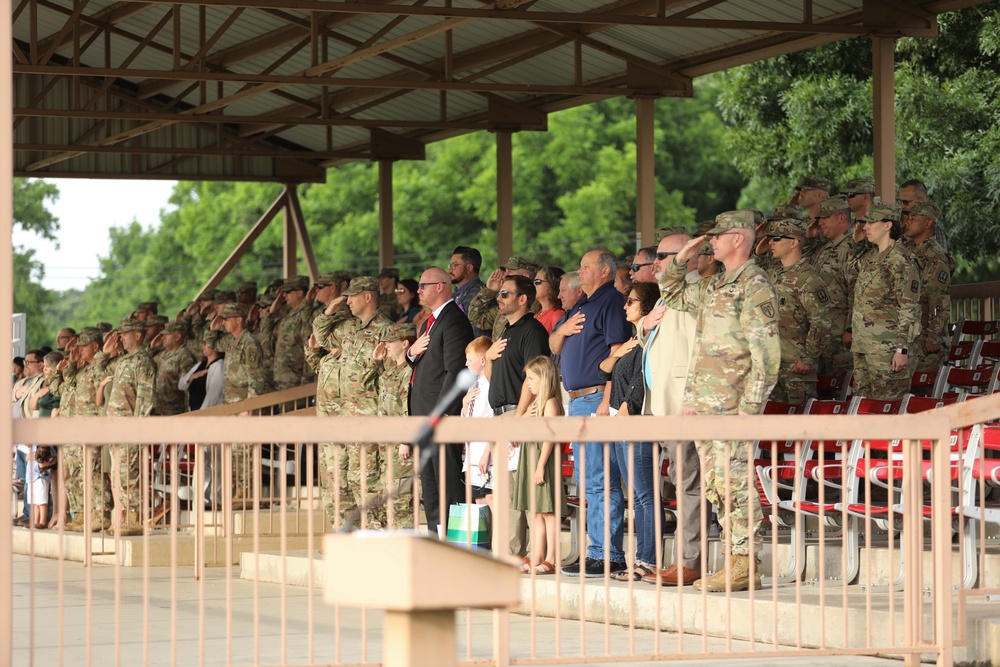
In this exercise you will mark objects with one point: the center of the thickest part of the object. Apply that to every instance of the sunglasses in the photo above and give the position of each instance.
(778, 237)
(636, 267)
(629, 301)
(663, 255)
(538, 281)
(715, 236)
(321, 285)
(504, 294)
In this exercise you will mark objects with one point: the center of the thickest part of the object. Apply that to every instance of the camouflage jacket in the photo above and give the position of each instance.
(63, 384)
(388, 305)
(133, 385)
(326, 365)
(737, 350)
(356, 339)
(243, 368)
(886, 300)
(87, 381)
(804, 320)
(831, 261)
(485, 314)
(936, 267)
(290, 339)
(170, 366)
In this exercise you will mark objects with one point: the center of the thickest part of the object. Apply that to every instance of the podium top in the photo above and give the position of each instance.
(407, 571)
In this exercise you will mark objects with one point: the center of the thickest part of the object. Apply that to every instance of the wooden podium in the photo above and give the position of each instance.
(422, 581)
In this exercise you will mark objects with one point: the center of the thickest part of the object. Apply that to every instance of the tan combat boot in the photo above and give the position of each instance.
(737, 569)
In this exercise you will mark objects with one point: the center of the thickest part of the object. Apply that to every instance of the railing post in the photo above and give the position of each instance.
(941, 541)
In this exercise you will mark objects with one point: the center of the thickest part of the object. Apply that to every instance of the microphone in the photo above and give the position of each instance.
(463, 383)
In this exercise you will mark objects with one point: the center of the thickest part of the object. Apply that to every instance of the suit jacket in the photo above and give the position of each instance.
(435, 371)
(666, 360)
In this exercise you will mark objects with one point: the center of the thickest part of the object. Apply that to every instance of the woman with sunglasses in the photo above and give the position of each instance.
(628, 389)
(886, 316)
(409, 300)
(547, 295)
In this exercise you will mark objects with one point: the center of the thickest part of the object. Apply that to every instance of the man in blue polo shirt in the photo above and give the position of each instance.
(593, 330)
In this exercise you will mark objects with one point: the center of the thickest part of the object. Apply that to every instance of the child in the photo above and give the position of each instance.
(477, 469)
(41, 458)
(393, 389)
(536, 469)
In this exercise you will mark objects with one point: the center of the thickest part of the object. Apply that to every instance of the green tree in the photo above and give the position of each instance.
(30, 297)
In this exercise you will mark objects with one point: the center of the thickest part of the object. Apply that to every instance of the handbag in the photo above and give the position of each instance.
(469, 525)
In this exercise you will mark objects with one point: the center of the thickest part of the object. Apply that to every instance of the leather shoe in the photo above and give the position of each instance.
(670, 576)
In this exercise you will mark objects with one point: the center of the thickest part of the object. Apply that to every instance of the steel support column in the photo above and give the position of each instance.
(386, 253)
(645, 180)
(289, 254)
(884, 116)
(505, 196)
(6, 329)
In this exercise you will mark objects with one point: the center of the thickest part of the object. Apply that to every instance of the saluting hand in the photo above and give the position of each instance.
(335, 305)
(690, 249)
(654, 317)
(495, 281)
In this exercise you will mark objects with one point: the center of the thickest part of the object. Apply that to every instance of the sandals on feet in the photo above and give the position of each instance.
(545, 567)
(635, 574)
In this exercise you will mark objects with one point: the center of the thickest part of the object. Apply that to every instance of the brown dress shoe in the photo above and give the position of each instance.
(670, 576)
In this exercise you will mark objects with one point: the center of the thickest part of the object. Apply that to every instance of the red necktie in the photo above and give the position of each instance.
(427, 328)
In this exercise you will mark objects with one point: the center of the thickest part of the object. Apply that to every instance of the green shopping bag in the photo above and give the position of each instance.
(469, 525)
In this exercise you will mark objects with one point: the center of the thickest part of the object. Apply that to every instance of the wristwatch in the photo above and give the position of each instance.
(902, 350)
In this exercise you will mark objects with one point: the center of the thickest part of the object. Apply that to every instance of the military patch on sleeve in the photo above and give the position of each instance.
(768, 310)
(781, 301)
(943, 277)
(252, 357)
(822, 296)
(914, 286)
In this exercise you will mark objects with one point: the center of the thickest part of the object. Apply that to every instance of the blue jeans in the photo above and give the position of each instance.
(643, 478)
(21, 473)
(594, 481)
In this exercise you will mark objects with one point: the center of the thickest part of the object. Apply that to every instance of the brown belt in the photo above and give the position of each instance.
(586, 391)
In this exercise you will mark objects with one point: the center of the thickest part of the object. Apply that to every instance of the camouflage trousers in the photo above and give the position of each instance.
(874, 377)
(126, 483)
(836, 360)
(243, 461)
(744, 516)
(922, 361)
(791, 388)
(401, 483)
(334, 489)
(366, 478)
(72, 464)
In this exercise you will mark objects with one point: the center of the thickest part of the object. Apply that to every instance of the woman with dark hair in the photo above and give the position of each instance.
(409, 300)
(886, 318)
(547, 294)
(628, 392)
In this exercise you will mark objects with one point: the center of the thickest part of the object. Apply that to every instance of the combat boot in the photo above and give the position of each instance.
(131, 526)
(737, 570)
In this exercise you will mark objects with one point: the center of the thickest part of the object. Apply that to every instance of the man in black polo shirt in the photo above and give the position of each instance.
(522, 340)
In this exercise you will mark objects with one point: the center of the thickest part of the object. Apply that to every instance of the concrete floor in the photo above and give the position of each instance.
(70, 615)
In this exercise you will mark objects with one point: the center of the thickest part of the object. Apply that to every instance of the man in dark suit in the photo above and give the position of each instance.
(437, 357)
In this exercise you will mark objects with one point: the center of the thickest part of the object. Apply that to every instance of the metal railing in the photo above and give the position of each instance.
(900, 603)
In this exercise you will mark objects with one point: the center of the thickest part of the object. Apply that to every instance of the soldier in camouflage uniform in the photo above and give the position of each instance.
(936, 266)
(886, 318)
(291, 334)
(131, 396)
(859, 194)
(393, 389)
(833, 263)
(762, 251)
(388, 302)
(355, 331)
(803, 313)
(737, 352)
(173, 360)
(484, 311)
(243, 377)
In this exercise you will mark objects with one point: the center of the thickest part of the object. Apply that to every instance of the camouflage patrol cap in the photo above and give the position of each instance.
(184, 320)
(224, 296)
(788, 227)
(706, 248)
(174, 327)
(389, 272)
(103, 327)
(788, 211)
(130, 324)
(704, 226)
(813, 183)
(341, 276)
(326, 279)
(89, 335)
(398, 331)
(245, 287)
(664, 232)
(517, 263)
(274, 285)
(832, 206)
(147, 307)
(882, 212)
(742, 219)
(295, 283)
(265, 300)
(208, 295)
(211, 338)
(154, 320)
(362, 284)
(863, 185)
(233, 310)
(926, 209)
(758, 217)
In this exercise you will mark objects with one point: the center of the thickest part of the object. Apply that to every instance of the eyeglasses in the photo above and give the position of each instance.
(636, 267)
(778, 237)
(32, 361)
(505, 294)
(322, 285)
(715, 236)
(853, 194)
(629, 301)
(455, 265)
(538, 281)
(663, 255)
(426, 285)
